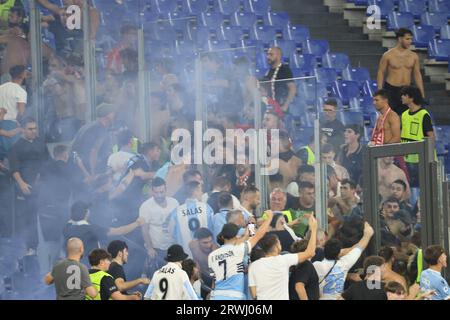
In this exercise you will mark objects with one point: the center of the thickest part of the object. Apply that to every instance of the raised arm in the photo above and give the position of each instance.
(126, 229)
(50, 6)
(368, 233)
(311, 249)
(263, 229)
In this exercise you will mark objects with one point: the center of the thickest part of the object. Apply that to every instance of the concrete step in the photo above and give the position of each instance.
(303, 6)
(337, 33)
(318, 19)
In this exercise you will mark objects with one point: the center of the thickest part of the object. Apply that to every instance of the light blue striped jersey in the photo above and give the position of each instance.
(227, 266)
(188, 218)
(433, 280)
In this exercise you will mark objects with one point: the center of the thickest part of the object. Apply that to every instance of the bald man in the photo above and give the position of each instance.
(71, 278)
(282, 91)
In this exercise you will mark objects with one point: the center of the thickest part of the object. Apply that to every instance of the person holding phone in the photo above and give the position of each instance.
(227, 264)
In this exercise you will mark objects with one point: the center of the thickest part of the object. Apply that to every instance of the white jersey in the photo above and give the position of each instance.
(226, 265)
(170, 282)
(188, 218)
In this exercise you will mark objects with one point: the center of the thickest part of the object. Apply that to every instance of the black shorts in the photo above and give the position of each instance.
(395, 99)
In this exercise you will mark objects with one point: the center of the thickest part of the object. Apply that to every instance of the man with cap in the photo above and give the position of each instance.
(227, 264)
(171, 282)
(92, 145)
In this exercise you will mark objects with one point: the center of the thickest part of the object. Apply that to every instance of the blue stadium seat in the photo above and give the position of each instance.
(298, 72)
(200, 34)
(364, 3)
(345, 90)
(422, 35)
(229, 6)
(261, 60)
(416, 7)
(439, 49)
(217, 45)
(233, 34)
(438, 6)
(326, 75)
(437, 20)
(302, 135)
(264, 33)
(278, 19)
(369, 88)
(166, 6)
(287, 46)
(338, 61)
(351, 117)
(244, 19)
(180, 20)
(306, 62)
(360, 75)
(386, 6)
(256, 6)
(310, 91)
(195, 6)
(397, 20)
(185, 47)
(316, 47)
(445, 32)
(299, 33)
(213, 20)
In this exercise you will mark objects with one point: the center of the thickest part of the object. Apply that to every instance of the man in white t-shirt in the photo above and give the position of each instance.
(269, 276)
(13, 100)
(156, 211)
(12, 96)
(171, 282)
(118, 161)
(333, 270)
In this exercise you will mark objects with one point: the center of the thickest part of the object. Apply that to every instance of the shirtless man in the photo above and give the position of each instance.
(387, 129)
(388, 172)
(399, 63)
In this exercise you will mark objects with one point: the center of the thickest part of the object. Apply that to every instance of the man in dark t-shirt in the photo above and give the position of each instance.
(371, 288)
(282, 91)
(303, 281)
(330, 126)
(118, 250)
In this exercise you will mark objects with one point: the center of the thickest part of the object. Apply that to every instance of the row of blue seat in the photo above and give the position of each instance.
(416, 7)
(396, 20)
(187, 6)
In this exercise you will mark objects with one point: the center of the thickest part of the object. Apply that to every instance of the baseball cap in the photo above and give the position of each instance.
(229, 231)
(175, 253)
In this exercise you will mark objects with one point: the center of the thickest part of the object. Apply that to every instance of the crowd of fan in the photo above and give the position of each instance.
(107, 187)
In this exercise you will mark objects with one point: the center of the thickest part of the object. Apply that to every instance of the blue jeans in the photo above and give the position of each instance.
(6, 142)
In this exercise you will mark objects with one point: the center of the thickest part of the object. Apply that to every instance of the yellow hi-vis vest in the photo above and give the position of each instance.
(286, 213)
(311, 155)
(412, 130)
(4, 11)
(96, 279)
(134, 146)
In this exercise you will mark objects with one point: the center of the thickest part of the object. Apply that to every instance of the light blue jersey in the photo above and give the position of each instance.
(219, 220)
(433, 280)
(188, 218)
(227, 266)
